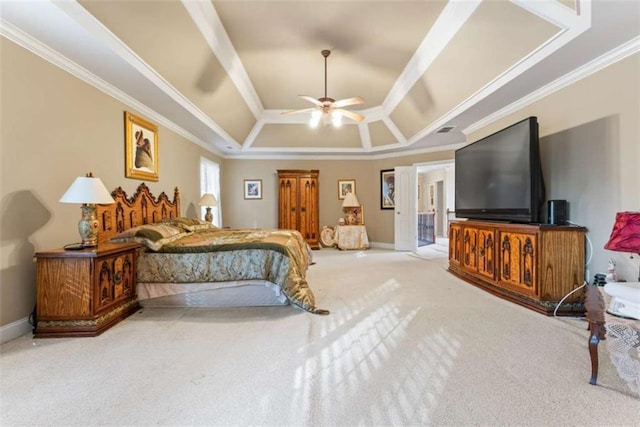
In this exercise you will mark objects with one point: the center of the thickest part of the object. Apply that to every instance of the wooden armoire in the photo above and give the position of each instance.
(298, 195)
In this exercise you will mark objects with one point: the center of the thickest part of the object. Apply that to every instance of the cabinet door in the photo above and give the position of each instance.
(64, 288)
(455, 243)
(518, 262)
(308, 208)
(114, 280)
(486, 252)
(470, 248)
(288, 200)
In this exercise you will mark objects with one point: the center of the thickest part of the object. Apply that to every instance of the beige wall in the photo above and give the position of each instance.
(54, 128)
(590, 139)
(237, 212)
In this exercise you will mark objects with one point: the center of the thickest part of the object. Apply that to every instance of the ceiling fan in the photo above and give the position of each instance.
(327, 107)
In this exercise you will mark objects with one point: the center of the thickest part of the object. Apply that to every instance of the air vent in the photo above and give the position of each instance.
(445, 129)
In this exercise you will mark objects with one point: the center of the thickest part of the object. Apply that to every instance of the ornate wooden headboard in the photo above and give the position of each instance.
(141, 208)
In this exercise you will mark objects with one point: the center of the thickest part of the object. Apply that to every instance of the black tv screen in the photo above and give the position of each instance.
(499, 177)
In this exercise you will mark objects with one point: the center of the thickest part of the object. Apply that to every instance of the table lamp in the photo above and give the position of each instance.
(87, 190)
(351, 204)
(208, 200)
(625, 237)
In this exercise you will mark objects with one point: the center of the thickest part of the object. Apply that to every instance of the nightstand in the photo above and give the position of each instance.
(84, 292)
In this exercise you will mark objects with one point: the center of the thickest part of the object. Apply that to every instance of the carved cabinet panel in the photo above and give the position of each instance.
(470, 247)
(84, 292)
(113, 280)
(518, 261)
(486, 252)
(298, 209)
(455, 243)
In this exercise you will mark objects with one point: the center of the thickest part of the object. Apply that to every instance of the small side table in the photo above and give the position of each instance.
(83, 293)
(622, 335)
(351, 237)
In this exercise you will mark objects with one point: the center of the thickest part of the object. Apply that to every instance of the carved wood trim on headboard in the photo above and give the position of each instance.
(141, 208)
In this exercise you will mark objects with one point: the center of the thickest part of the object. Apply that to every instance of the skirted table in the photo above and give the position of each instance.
(351, 237)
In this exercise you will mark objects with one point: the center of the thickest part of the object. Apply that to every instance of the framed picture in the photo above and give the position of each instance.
(387, 189)
(346, 186)
(359, 215)
(141, 148)
(253, 189)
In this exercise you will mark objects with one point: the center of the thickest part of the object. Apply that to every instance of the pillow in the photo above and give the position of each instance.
(189, 224)
(153, 236)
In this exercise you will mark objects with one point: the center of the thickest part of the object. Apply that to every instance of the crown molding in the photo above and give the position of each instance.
(278, 154)
(626, 49)
(45, 52)
(208, 22)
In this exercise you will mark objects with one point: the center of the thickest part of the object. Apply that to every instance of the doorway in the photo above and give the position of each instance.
(435, 191)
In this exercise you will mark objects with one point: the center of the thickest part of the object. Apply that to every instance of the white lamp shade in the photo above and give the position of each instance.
(350, 201)
(208, 199)
(87, 189)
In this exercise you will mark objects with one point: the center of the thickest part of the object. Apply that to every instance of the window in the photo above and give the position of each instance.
(210, 183)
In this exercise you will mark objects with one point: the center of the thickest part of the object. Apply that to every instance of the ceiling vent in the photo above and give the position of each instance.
(444, 129)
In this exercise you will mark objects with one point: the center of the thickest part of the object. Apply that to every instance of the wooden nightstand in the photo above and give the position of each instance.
(84, 292)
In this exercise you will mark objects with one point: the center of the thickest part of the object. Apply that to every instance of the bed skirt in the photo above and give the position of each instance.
(242, 293)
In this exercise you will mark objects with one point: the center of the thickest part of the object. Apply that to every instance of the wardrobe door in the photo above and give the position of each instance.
(308, 212)
(288, 203)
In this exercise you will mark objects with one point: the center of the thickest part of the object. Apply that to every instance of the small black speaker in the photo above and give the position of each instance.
(557, 212)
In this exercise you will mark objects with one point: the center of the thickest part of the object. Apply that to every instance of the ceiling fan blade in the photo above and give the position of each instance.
(312, 100)
(353, 116)
(287, 113)
(348, 101)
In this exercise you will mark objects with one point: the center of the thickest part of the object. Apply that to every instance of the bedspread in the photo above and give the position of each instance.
(279, 256)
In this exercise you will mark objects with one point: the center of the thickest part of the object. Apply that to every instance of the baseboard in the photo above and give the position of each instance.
(15, 330)
(381, 245)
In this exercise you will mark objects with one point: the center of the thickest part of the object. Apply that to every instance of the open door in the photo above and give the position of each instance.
(405, 223)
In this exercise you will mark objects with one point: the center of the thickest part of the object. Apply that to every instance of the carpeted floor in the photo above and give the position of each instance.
(406, 343)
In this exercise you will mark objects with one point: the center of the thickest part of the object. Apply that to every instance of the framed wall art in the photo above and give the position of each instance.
(253, 189)
(141, 148)
(387, 189)
(346, 186)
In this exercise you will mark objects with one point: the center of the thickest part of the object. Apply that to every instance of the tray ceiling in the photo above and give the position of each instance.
(220, 73)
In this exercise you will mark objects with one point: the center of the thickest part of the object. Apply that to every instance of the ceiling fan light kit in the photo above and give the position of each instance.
(328, 110)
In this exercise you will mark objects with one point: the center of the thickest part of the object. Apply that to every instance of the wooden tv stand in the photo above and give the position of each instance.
(535, 266)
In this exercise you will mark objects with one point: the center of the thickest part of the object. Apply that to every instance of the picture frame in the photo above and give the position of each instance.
(387, 189)
(359, 211)
(252, 189)
(141, 148)
(345, 186)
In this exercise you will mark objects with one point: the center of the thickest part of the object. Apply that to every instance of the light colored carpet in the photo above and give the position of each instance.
(406, 343)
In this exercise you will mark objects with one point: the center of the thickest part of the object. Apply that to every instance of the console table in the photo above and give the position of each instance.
(623, 343)
(351, 237)
(532, 265)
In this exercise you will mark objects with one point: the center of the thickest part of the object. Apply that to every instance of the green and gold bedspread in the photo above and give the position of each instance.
(279, 256)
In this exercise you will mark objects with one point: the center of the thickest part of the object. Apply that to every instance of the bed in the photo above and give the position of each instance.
(187, 262)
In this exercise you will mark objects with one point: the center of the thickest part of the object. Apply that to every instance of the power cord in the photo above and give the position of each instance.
(586, 269)
(566, 296)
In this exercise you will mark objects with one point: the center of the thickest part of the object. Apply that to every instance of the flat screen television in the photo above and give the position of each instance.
(499, 177)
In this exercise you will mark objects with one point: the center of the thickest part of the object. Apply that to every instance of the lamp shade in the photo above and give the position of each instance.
(625, 236)
(87, 189)
(208, 199)
(350, 201)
